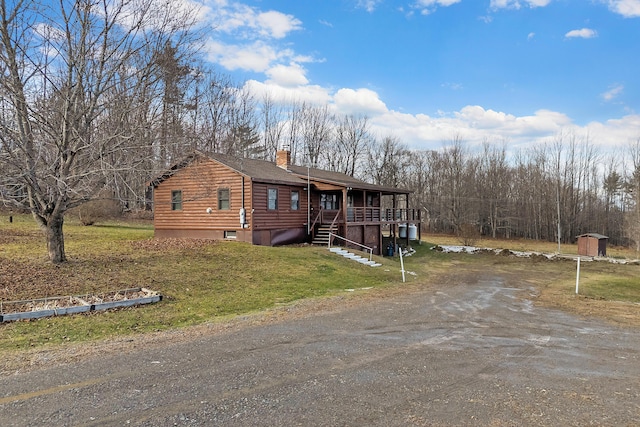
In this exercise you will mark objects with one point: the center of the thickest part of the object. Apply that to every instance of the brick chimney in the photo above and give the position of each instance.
(283, 159)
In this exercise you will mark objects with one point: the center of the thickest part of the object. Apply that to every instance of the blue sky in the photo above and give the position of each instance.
(426, 71)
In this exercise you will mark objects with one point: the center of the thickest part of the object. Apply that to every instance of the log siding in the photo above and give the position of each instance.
(214, 188)
(199, 185)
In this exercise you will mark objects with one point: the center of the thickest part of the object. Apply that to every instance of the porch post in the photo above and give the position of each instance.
(395, 222)
(344, 210)
(407, 211)
(364, 206)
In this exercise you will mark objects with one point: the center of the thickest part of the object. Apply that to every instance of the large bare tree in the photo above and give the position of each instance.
(67, 69)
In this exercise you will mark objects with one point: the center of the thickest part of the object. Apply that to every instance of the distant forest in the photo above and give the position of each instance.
(92, 110)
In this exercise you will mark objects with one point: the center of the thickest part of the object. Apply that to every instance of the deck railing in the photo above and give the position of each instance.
(370, 214)
(365, 215)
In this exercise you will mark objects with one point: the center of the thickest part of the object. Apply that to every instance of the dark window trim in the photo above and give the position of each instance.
(228, 200)
(297, 201)
(269, 192)
(176, 200)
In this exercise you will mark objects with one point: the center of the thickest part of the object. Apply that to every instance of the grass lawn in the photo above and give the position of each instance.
(204, 281)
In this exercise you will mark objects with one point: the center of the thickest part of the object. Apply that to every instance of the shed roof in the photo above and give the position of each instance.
(594, 235)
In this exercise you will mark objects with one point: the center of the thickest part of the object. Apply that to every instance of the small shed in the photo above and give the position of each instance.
(592, 244)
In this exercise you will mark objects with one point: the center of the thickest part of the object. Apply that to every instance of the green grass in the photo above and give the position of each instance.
(200, 282)
(609, 282)
(204, 282)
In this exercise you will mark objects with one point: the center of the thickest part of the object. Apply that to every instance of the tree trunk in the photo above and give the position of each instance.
(55, 239)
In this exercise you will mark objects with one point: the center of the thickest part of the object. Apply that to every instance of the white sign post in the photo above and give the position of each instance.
(578, 275)
(401, 263)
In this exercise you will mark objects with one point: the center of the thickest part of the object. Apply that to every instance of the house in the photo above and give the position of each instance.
(218, 196)
(592, 244)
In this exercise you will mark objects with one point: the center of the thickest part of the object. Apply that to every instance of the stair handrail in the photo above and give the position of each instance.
(335, 218)
(313, 225)
(352, 242)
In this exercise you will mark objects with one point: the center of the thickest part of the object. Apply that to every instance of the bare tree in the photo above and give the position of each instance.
(273, 125)
(293, 131)
(632, 185)
(493, 188)
(317, 129)
(352, 136)
(63, 66)
(387, 162)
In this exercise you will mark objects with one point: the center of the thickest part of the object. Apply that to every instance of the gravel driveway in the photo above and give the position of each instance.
(473, 353)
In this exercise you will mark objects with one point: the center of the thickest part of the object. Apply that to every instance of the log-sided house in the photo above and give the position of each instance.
(218, 196)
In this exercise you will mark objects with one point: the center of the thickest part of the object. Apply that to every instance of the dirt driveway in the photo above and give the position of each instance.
(472, 353)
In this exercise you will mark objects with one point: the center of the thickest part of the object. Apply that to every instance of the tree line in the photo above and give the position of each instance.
(98, 97)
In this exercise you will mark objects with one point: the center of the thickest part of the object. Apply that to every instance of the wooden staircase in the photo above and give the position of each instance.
(322, 236)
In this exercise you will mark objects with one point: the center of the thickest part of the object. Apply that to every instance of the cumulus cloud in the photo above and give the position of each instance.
(249, 22)
(311, 94)
(247, 38)
(474, 124)
(517, 4)
(287, 75)
(428, 6)
(363, 101)
(626, 8)
(613, 93)
(584, 33)
(255, 56)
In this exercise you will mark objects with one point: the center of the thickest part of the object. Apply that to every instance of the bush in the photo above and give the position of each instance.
(468, 234)
(97, 210)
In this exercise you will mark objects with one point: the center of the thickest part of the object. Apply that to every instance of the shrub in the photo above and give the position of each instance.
(468, 234)
(96, 210)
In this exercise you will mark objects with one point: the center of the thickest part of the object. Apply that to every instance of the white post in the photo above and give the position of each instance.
(401, 264)
(578, 275)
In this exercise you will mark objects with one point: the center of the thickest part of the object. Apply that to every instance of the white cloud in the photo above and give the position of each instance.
(256, 56)
(428, 6)
(250, 23)
(517, 4)
(614, 132)
(287, 75)
(368, 5)
(276, 24)
(626, 8)
(363, 101)
(585, 33)
(613, 92)
(452, 86)
(530, 36)
(475, 124)
(246, 38)
(311, 94)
